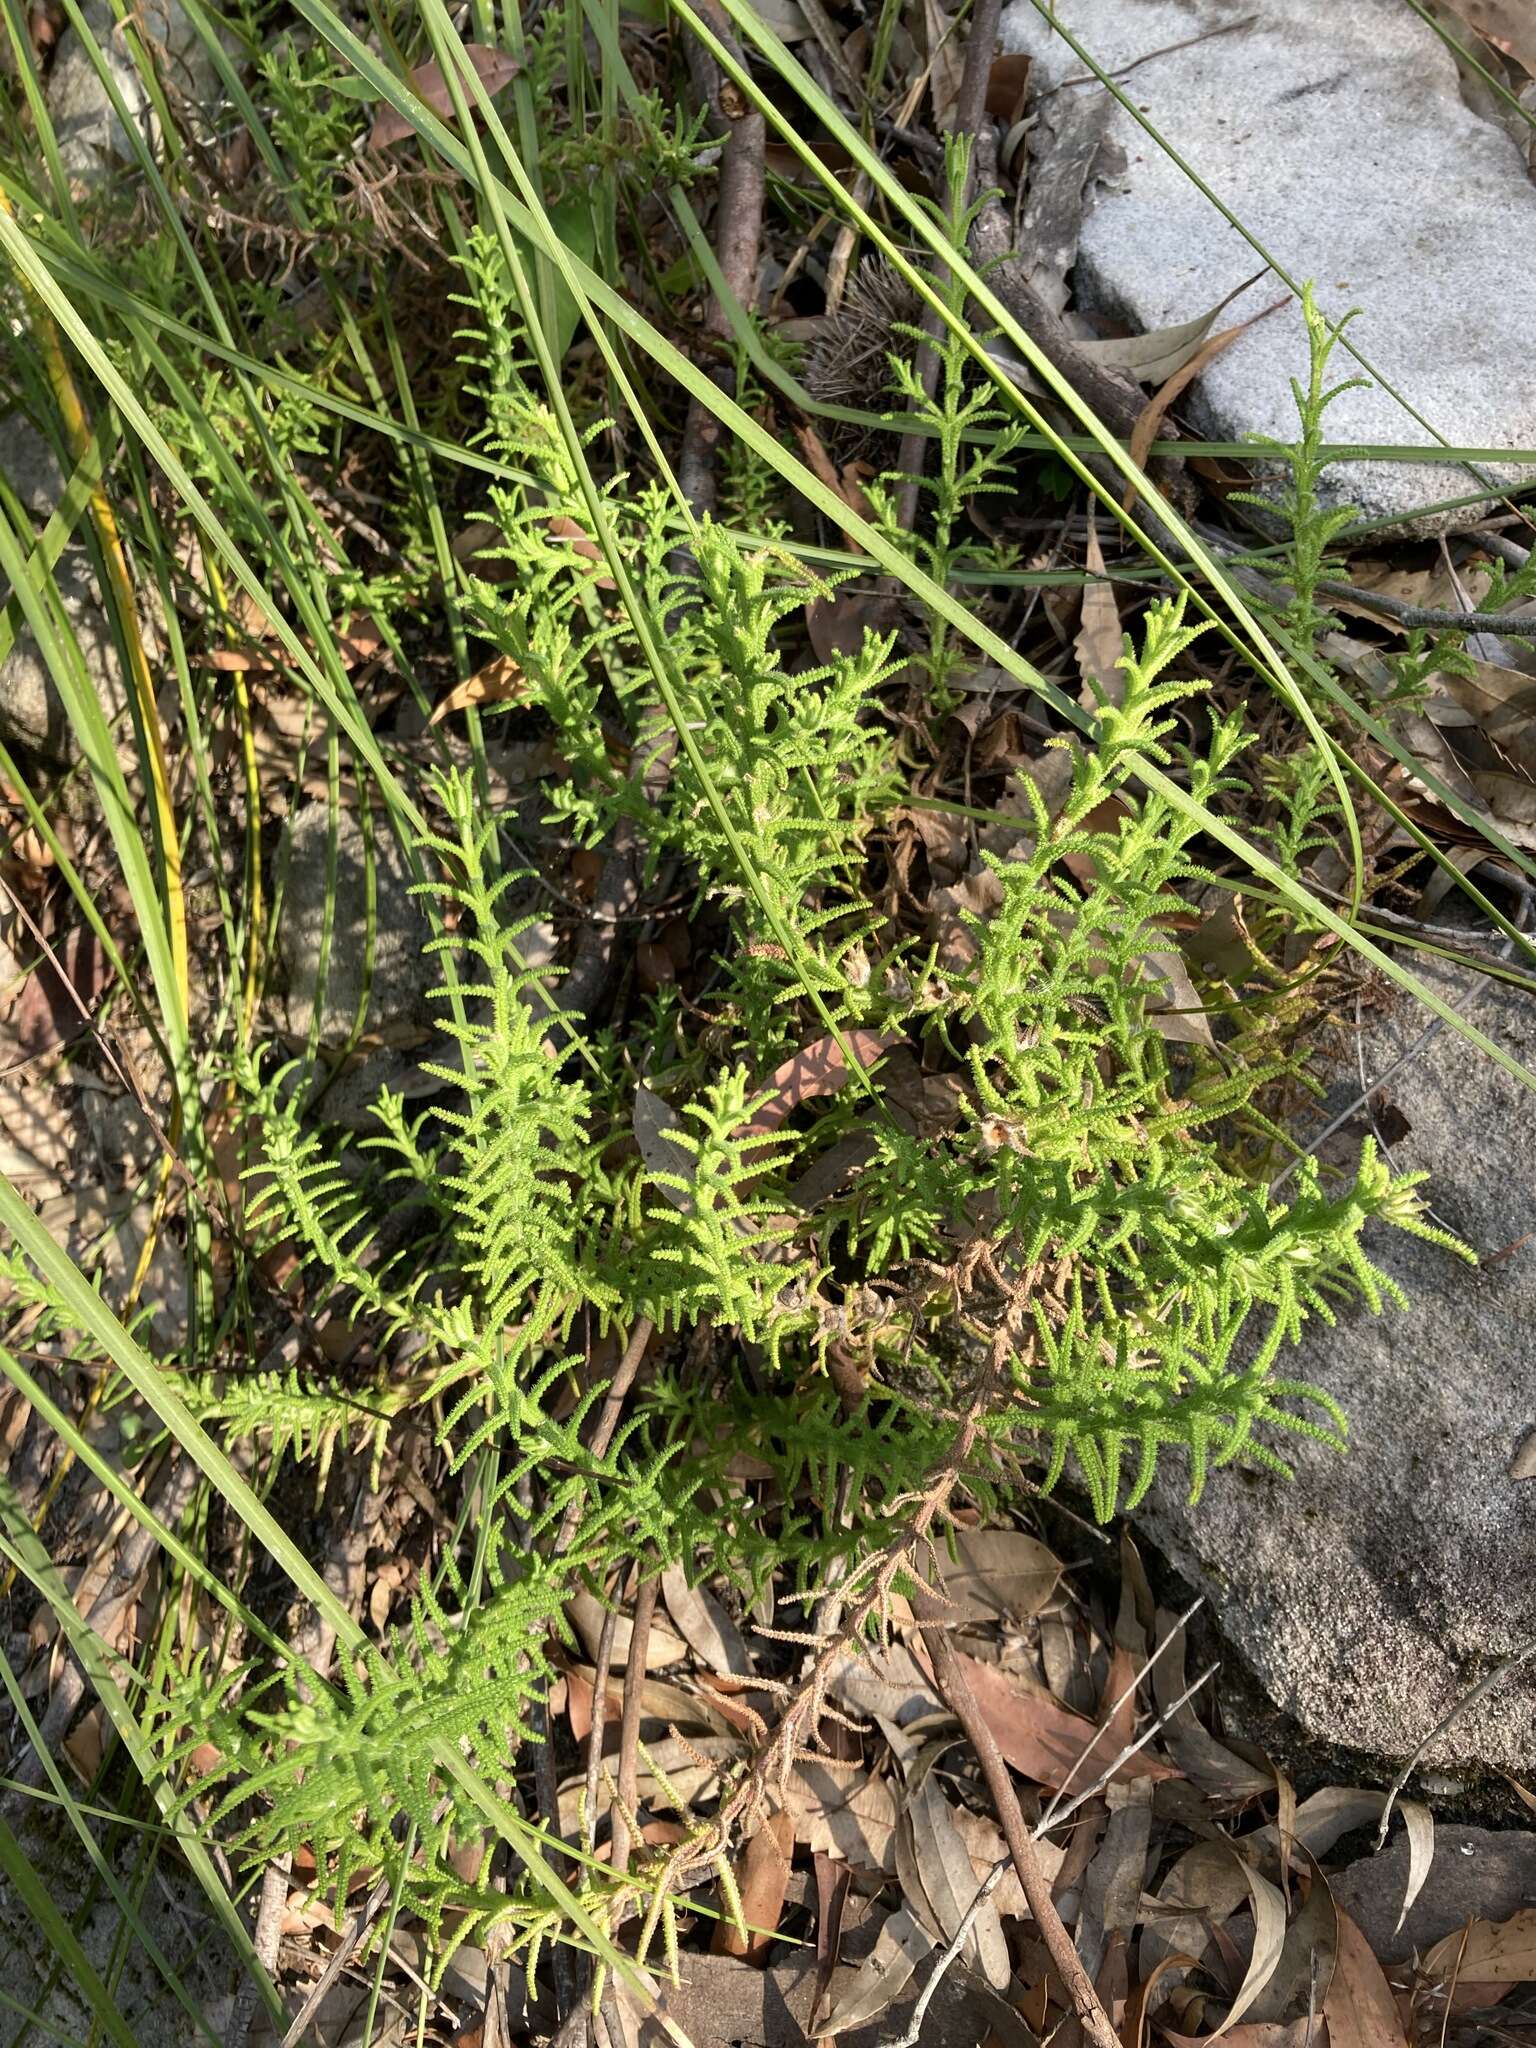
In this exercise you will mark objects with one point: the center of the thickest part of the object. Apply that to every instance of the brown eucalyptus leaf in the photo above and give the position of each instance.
(861, 1994)
(1488, 1952)
(1044, 1740)
(501, 681)
(56, 1002)
(495, 69)
(1302, 2033)
(1100, 639)
(762, 1878)
(1509, 25)
(940, 1883)
(1153, 357)
(1360, 2011)
(819, 1068)
(704, 1624)
(997, 1575)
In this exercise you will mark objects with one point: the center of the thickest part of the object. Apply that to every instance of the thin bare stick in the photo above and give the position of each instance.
(970, 109)
(608, 1419)
(1057, 1814)
(1511, 625)
(595, 1733)
(1127, 1693)
(738, 236)
(948, 1953)
(956, 1691)
(351, 1935)
(1467, 1701)
(629, 1726)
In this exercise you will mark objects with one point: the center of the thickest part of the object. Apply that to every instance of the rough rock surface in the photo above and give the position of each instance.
(32, 713)
(398, 1011)
(1477, 1874)
(91, 137)
(1373, 1592)
(1339, 137)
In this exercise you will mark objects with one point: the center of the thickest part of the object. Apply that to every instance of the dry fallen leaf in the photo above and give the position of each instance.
(494, 68)
(1045, 1740)
(861, 1994)
(838, 481)
(762, 1877)
(501, 681)
(946, 63)
(1487, 1952)
(1153, 413)
(1100, 638)
(1154, 357)
(1360, 2010)
(818, 1069)
(1509, 25)
(709, 1631)
(840, 1810)
(57, 1002)
(997, 1575)
(938, 1881)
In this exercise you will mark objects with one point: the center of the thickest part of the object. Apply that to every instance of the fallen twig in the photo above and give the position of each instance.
(629, 1726)
(955, 1689)
(738, 234)
(970, 108)
(948, 1953)
(1510, 625)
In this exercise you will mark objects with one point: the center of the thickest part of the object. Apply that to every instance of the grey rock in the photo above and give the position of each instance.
(30, 465)
(1477, 1874)
(1371, 1593)
(1339, 137)
(32, 716)
(398, 1010)
(91, 137)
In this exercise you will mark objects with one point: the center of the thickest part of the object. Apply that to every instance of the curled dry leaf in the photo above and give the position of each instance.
(493, 67)
(861, 1994)
(1153, 413)
(1360, 2010)
(818, 1069)
(1154, 357)
(1100, 637)
(1043, 1739)
(501, 681)
(762, 1878)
